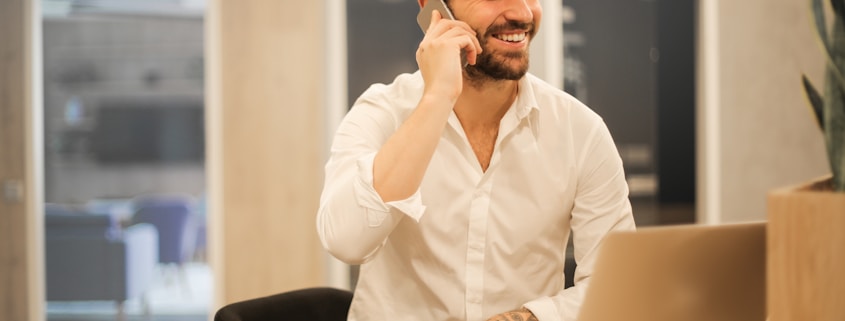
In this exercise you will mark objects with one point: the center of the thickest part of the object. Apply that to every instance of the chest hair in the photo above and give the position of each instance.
(482, 141)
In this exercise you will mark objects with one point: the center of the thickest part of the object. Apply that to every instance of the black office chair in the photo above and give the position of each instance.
(311, 304)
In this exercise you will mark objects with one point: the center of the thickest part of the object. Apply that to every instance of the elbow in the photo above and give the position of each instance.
(346, 251)
(349, 257)
(342, 242)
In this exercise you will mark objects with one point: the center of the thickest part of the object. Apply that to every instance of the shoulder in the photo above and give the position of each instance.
(382, 108)
(557, 105)
(403, 93)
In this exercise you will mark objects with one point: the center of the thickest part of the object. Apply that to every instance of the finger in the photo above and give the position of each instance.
(464, 42)
(472, 51)
(435, 18)
(443, 25)
(478, 50)
(464, 26)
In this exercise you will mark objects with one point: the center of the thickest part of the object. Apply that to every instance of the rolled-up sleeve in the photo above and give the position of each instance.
(353, 222)
(601, 206)
(368, 197)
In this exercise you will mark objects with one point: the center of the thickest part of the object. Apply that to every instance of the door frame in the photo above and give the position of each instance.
(22, 184)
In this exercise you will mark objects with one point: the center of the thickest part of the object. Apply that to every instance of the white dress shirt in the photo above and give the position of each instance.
(470, 244)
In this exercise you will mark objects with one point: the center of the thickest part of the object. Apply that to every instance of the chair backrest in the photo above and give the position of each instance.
(174, 221)
(311, 304)
(64, 222)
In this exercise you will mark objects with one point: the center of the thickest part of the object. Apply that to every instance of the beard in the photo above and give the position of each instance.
(493, 65)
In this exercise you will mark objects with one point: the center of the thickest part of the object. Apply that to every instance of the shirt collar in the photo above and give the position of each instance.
(526, 106)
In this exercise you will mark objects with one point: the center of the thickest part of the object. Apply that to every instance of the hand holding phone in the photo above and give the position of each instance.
(424, 19)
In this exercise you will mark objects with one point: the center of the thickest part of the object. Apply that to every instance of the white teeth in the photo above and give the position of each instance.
(512, 37)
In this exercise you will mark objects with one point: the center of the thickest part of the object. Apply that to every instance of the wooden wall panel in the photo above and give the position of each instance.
(15, 232)
(266, 91)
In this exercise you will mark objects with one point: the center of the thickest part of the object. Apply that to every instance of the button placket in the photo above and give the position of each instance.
(476, 242)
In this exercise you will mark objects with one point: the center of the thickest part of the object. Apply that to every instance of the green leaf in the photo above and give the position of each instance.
(821, 24)
(821, 31)
(834, 115)
(815, 99)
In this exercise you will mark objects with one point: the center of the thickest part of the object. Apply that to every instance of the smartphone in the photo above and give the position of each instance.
(424, 19)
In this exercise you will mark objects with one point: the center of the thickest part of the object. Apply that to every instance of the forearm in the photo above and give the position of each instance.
(367, 188)
(400, 164)
(522, 314)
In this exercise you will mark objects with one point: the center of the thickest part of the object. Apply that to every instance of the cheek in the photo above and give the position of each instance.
(536, 10)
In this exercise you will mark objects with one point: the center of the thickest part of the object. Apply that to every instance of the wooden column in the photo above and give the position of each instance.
(20, 291)
(265, 121)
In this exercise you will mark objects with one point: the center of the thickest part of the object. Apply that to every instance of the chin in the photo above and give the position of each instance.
(509, 67)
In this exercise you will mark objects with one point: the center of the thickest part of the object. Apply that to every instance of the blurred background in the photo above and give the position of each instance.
(182, 141)
(124, 160)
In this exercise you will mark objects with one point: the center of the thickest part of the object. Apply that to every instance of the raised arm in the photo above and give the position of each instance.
(380, 155)
(401, 163)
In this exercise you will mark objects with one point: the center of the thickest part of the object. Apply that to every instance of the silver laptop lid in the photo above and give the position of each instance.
(689, 273)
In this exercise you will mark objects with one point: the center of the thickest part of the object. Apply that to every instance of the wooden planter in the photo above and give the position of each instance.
(806, 254)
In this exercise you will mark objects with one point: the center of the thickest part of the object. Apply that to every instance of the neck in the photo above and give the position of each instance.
(484, 102)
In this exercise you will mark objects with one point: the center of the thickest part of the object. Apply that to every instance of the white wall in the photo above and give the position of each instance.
(755, 131)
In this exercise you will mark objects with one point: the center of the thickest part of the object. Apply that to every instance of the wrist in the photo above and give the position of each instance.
(442, 90)
(529, 316)
(515, 315)
(439, 100)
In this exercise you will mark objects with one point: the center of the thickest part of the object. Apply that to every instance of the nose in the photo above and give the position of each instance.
(521, 10)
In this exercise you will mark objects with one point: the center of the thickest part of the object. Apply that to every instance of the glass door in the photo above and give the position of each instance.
(124, 160)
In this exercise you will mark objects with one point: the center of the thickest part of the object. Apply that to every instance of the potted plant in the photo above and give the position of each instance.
(806, 229)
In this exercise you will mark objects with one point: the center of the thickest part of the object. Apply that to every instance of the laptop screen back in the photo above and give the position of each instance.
(690, 273)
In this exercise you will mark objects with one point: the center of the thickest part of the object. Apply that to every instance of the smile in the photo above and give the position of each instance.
(513, 37)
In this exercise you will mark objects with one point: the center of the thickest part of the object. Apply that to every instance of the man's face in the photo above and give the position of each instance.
(504, 28)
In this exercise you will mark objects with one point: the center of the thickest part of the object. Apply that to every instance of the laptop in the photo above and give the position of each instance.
(685, 272)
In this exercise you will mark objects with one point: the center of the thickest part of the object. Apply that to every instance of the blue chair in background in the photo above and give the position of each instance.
(174, 219)
(91, 257)
(201, 247)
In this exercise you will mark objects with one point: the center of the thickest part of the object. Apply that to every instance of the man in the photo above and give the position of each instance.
(456, 188)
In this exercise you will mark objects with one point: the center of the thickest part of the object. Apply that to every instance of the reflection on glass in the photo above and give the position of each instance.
(608, 67)
(124, 160)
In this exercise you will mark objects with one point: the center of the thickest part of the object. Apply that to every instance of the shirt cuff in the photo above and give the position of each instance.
(377, 209)
(544, 309)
